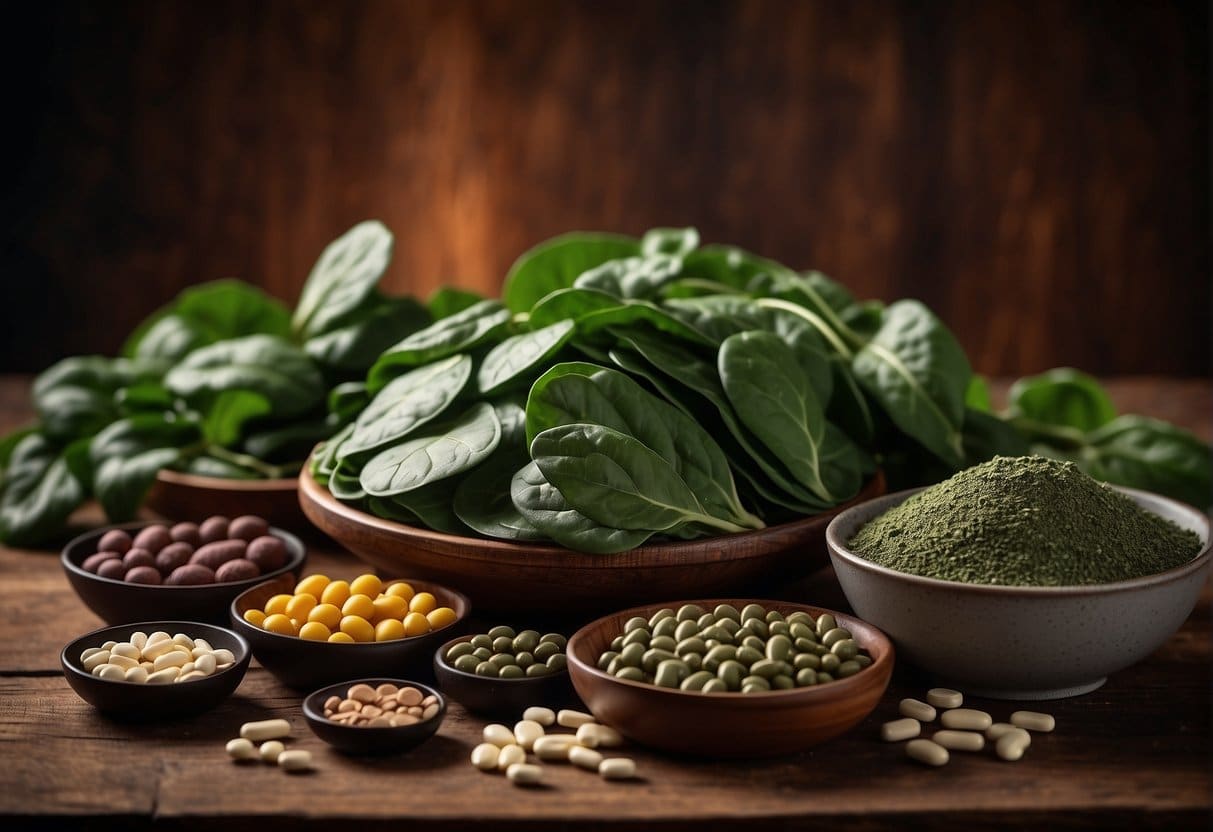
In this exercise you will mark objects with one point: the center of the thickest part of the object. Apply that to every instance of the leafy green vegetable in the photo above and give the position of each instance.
(519, 358)
(40, 492)
(448, 450)
(556, 263)
(544, 507)
(1152, 455)
(356, 344)
(449, 336)
(127, 455)
(446, 301)
(343, 278)
(1063, 397)
(205, 314)
(631, 277)
(483, 500)
(277, 370)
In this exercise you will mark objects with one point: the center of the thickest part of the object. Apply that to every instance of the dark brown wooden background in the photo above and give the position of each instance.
(1038, 172)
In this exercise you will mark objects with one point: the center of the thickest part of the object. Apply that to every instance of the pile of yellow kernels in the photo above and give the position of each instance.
(361, 610)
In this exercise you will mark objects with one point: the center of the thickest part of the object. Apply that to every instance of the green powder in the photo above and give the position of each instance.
(1024, 521)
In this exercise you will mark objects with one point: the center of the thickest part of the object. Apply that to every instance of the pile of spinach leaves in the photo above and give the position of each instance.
(624, 389)
(224, 381)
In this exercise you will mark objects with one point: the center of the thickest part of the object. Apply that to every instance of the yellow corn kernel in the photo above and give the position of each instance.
(336, 593)
(341, 638)
(389, 629)
(441, 617)
(313, 585)
(357, 628)
(415, 624)
(281, 624)
(254, 617)
(401, 589)
(368, 585)
(326, 614)
(299, 606)
(277, 604)
(314, 631)
(423, 602)
(390, 606)
(359, 605)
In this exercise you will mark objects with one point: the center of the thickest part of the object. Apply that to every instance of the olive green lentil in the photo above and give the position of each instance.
(1024, 521)
(506, 654)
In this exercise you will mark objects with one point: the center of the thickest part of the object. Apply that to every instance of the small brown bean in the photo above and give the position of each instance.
(404, 719)
(416, 711)
(331, 703)
(172, 556)
(213, 528)
(214, 555)
(362, 693)
(115, 540)
(348, 705)
(113, 569)
(409, 697)
(239, 569)
(268, 552)
(143, 575)
(189, 575)
(92, 562)
(186, 533)
(387, 689)
(138, 557)
(153, 538)
(247, 527)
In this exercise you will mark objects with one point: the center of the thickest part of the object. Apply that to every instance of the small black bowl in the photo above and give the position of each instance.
(357, 739)
(497, 697)
(302, 664)
(118, 602)
(143, 702)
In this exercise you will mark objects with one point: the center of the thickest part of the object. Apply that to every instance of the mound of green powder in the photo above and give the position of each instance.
(1024, 521)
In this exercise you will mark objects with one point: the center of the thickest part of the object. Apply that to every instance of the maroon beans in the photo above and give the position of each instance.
(152, 538)
(214, 555)
(143, 575)
(213, 528)
(186, 533)
(93, 561)
(237, 570)
(138, 557)
(115, 540)
(172, 556)
(268, 552)
(112, 568)
(190, 575)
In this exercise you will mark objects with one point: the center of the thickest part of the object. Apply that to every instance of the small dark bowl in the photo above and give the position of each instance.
(143, 702)
(504, 698)
(353, 739)
(118, 602)
(302, 664)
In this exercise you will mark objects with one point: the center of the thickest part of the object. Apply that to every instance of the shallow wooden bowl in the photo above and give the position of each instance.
(362, 739)
(727, 725)
(176, 495)
(302, 664)
(498, 575)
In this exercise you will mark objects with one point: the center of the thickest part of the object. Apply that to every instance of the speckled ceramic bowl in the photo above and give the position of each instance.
(1020, 642)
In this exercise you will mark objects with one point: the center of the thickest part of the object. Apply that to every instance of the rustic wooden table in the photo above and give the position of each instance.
(1134, 754)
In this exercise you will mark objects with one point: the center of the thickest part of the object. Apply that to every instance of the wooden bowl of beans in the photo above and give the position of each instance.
(756, 707)
(375, 716)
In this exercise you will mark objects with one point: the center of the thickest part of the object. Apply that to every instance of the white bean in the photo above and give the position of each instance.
(586, 758)
(223, 656)
(112, 672)
(270, 751)
(916, 709)
(125, 648)
(959, 740)
(297, 760)
(544, 716)
(163, 677)
(139, 639)
(526, 732)
(925, 751)
(966, 719)
(205, 664)
(173, 658)
(1013, 744)
(183, 640)
(617, 768)
(266, 729)
(241, 749)
(573, 719)
(945, 698)
(484, 756)
(124, 662)
(1031, 721)
(900, 729)
(524, 774)
(509, 755)
(586, 736)
(137, 675)
(95, 660)
(554, 746)
(499, 735)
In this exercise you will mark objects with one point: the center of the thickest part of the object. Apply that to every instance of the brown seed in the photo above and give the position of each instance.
(153, 539)
(416, 711)
(371, 711)
(386, 689)
(331, 703)
(408, 697)
(115, 540)
(380, 722)
(403, 719)
(429, 700)
(93, 561)
(389, 704)
(349, 706)
(362, 693)
(430, 712)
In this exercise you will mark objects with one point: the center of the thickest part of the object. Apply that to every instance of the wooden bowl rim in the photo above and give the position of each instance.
(440, 658)
(316, 715)
(73, 662)
(200, 481)
(237, 616)
(672, 554)
(813, 695)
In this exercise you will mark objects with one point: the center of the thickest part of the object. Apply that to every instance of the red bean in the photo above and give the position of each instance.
(248, 527)
(214, 555)
(172, 556)
(138, 557)
(189, 575)
(186, 533)
(93, 561)
(236, 570)
(112, 569)
(213, 528)
(268, 552)
(143, 575)
(115, 540)
(153, 538)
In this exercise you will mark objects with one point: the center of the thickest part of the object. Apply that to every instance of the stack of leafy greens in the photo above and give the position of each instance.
(224, 381)
(625, 389)
(621, 390)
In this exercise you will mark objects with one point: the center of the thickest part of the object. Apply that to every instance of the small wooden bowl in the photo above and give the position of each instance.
(354, 739)
(496, 697)
(728, 725)
(302, 664)
(118, 602)
(143, 702)
(176, 494)
(495, 574)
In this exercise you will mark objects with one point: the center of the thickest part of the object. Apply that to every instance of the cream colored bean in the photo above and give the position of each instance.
(122, 661)
(125, 648)
(544, 716)
(524, 774)
(109, 645)
(241, 749)
(154, 651)
(617, 768)
(139, 639)
(297, 760)
(1033, 721)
(498, 735)
(137, 675)
(362, 693)
(509, 755)
(164, 677)
(266, 729)
(199, 652)
(188, 667)
(997, 730)
(900, 729)
(156, 638)
(959, 740)
(95, 660)
(526, 732)
(430, 711)
(586, 758)
(148, 666)
(205, 664)
(405, 719)
(966, 719)
(484, 756)
(916, 709)
(1012, 745)
(183, 640)
(927, 752)
(945, 698)
(92, 651)
(271, 750)
(192, 676)
(203, 644)
(554, 747)
(223, 656)
(607, 736)
(573, 719)
(112, 673)
(587, 737)
(173, 658)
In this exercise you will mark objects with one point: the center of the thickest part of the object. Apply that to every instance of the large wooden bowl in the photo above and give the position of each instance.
(728, 725)
(179, 496)
(498, 575)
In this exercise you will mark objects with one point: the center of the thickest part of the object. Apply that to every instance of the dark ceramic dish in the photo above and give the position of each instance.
(735, 725)
(177, 494)
(354, 739)
(144, 702)
(118, 602)
(303, 664)
(504, 698)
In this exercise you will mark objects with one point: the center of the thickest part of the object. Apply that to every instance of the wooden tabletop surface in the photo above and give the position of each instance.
(1133, 754)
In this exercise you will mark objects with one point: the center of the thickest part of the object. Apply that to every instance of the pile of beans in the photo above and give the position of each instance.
(269, 733)
(964, 729)
(751, 650)
(502, 653)
(385, 706)
(361, 610)
(506, 750)
(156, 659)
(214, 551)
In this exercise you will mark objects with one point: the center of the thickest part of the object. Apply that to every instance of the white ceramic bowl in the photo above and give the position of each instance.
(1020, 642)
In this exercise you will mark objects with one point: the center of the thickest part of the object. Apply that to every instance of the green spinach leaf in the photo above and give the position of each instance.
(262, 364)
(544, 507)
(343, 278)
(556, 263)
(518, 359)
(40, 492)
(356, 344)
(450, 449)
(459, 333)
(1064, 398)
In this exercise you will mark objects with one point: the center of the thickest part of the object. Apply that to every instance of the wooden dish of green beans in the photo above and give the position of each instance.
(771, 677)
